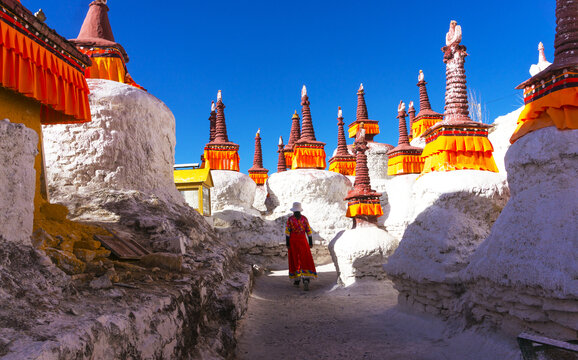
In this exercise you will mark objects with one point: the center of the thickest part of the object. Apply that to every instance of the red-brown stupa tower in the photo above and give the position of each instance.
(213, 122)
(363, 203)
(426, 116)
(371, 126)
(342, 162)
(257, 172)
(411, 112)
(404, 158)
(294, 135)
(220, 153)
(281, 164)
(308, 153)
(457, 142)
(550, 96)
(96, 40)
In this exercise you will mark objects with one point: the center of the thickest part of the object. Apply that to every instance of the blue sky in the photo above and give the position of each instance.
(260, 53)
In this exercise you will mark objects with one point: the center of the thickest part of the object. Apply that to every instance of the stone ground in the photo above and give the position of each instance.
(357, 322)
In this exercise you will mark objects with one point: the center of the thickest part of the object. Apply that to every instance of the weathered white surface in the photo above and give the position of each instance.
(232, 191)
(260, 198)
(361, 252)
(397, 202)
(128, 145)
(377, 160)
(453, 214)
(18, 148)
(418, 142)
(500, 134)
(245, 230)
(543, 178)
(534, 242)
(320, 192)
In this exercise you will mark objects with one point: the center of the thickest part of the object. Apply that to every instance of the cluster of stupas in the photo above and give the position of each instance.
(452, 141)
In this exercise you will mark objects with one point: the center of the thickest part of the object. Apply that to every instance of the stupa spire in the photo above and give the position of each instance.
(96, 40)
(401, 114)
(549, 97)
(456, 108)
(258, 156)
(457, 142)
(257, 172)
(294, 136)
(541, 54)
(96, 24)
(281, 164)
(341, 144)
(220, 153)
(371, 126)
(220, 125)
(363, 204)
(213, 122)
(295, 133)
(307, 132)
(411, 112)
(566, 39)
(361, 114)
(404, 158)
(308, 153)
(426, 117)
(424, 104)
(342, 162)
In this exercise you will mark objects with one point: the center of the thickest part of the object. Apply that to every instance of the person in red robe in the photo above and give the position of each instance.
(299, 241)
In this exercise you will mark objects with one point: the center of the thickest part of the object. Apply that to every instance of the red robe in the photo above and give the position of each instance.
(301, 263)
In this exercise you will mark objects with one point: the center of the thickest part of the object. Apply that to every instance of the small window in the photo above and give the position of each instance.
(191, 197)
(206, 201)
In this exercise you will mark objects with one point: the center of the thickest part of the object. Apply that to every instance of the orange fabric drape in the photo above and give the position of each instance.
(30, 68)
(108, 63)
(559, 109)
(221, 159)
(371, 128)
(308, 158)
(422, 124)
(343, 167)
(369, 209)
(447, 153)
(108, 68)
(405, 164)
(258, 178)
(288, 158)
(451, 160)
(458, 143)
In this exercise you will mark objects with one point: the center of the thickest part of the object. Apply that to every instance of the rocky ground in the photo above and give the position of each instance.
(165, 306)
(358, 322)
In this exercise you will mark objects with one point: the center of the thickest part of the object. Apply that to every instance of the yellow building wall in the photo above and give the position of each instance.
(20, 109)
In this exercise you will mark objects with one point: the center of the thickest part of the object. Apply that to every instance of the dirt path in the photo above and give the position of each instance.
(359, 322)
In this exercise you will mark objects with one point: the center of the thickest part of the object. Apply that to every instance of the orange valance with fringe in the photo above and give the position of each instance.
(216, 159)
(422, 124)
(405, 164)
(343, 167)
(448, 153)
(108, 64)
(308, 158)
(362, 208)
(371, 128)
(258, 178)
(35, 69)
(558, 108)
